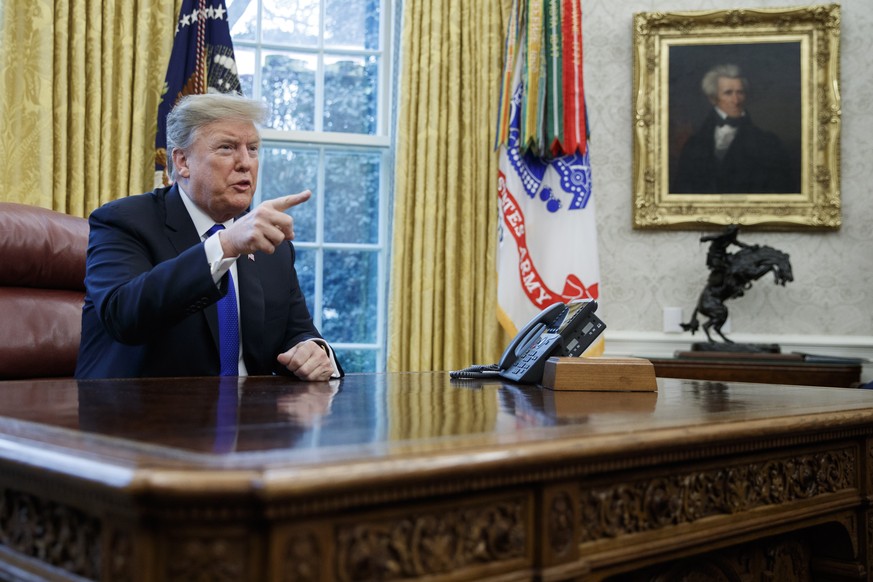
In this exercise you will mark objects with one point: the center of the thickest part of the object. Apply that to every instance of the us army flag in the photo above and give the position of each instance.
(547, 249)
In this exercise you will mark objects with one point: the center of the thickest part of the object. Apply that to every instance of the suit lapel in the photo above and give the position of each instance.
(179, 226)
(182, 234)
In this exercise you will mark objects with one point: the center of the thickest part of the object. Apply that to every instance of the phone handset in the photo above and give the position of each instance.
(529, 334)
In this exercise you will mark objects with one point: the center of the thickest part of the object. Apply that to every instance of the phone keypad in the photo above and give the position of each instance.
(531, 363)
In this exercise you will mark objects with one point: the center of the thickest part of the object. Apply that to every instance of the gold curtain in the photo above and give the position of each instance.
(442, 312)
(79, 91)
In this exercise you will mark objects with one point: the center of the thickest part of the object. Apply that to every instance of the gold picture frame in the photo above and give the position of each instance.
(789, 63)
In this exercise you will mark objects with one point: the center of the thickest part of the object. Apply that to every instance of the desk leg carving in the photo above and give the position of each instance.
(219, 558)
(118, 560)
(561, 521)
(302, 558)
(558, 524)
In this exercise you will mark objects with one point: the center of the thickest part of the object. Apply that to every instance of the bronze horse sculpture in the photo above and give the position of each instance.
(731, 275)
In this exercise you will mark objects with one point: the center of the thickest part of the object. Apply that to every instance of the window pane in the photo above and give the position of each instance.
(304, 263)
(242, 17)
(290, 22)
(352, 24)
(286, 171)
(245, 66)
(351, 197)
(357, 360)
(349, 296)
(288, 87)
(350, 94)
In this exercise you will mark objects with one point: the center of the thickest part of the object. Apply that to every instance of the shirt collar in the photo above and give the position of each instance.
(724, 115)
(201, 220)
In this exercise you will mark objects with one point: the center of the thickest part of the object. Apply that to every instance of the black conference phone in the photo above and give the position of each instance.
(559, 330)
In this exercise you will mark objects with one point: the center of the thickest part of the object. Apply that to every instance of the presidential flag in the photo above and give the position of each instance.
(202, 59)
(547, 248)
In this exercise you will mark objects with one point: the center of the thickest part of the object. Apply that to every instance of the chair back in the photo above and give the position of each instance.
(42, 285)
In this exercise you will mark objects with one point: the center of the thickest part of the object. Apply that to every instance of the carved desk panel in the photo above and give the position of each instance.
(411, 476)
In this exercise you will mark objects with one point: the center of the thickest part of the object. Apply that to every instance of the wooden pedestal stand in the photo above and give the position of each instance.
(600, 374)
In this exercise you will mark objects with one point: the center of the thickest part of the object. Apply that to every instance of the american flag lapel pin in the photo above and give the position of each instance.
(251, 257)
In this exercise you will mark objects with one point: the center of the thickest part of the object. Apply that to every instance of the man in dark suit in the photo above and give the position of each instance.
(154, 274)
(728, 154)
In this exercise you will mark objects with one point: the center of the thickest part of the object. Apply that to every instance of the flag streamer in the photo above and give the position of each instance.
(510, 52)
(575, 122)
(547, 36)
(202, 59)
(534, 77)
(554, 129)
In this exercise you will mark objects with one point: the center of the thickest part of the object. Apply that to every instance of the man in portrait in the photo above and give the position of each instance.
(728, 154)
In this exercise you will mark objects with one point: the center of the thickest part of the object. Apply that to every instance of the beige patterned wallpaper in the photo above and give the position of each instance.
(645, 271)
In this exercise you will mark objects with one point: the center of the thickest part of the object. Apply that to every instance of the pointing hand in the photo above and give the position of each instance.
(264, 228)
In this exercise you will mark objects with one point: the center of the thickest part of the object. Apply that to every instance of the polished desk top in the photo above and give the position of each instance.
(289, 437)
(417, 476)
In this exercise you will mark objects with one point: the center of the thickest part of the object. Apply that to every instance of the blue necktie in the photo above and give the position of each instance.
(228, 324)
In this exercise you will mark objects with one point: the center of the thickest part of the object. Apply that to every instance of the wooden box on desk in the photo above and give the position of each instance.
(600, 374)
(579, 387)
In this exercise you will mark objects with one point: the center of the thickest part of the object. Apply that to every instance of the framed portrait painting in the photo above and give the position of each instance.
(737, 118)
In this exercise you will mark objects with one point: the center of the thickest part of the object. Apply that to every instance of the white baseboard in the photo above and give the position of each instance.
(664, 345)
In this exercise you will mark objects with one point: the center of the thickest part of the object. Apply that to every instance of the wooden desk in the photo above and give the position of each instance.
(763, 370)
(408, 476)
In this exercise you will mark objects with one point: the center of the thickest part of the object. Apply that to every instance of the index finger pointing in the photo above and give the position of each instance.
(286, 202)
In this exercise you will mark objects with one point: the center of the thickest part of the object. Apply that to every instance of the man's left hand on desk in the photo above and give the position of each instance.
(308, 361)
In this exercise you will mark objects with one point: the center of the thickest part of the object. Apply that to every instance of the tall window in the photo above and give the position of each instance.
(323, 68)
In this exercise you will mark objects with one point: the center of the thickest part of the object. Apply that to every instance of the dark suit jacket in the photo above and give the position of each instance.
(755, 163)
(150, 299)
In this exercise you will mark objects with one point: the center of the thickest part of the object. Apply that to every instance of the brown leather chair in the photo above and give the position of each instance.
(42, 284)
